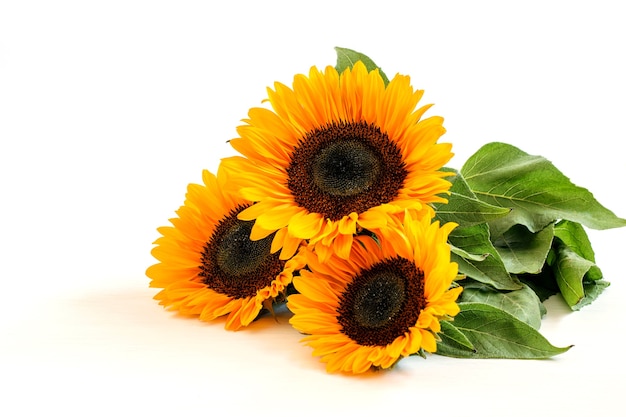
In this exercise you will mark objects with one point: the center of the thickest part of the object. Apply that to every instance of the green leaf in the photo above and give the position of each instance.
(570, 270)
(592, 290)
(524, 304)
(494, 333)
(346, 58)
(452, 335)
(539, 194)
(523, 251)
(468, 256)
(574, 236)
(463, 207)
(484, 263)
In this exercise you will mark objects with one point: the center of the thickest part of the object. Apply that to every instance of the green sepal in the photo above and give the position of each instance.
(346, 58)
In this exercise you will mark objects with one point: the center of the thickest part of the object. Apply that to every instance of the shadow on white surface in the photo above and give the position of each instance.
(115, 350)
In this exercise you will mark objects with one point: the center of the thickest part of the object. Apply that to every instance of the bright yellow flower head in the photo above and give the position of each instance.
(337, 153)
(383, 303)
(208, 267)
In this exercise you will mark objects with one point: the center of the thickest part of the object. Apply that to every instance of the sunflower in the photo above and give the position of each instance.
(208, 267)
(383, 303)
(337, 153)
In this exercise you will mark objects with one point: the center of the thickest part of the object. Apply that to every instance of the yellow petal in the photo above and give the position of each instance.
(305, 225)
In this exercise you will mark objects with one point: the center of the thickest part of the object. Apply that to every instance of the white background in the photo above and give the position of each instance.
(108, 109)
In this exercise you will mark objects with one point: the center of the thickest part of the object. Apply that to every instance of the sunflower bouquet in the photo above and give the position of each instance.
(340, 206)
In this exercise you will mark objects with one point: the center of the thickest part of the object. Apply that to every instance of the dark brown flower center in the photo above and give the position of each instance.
(382, 302)
(234, 265)
(345, 167)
